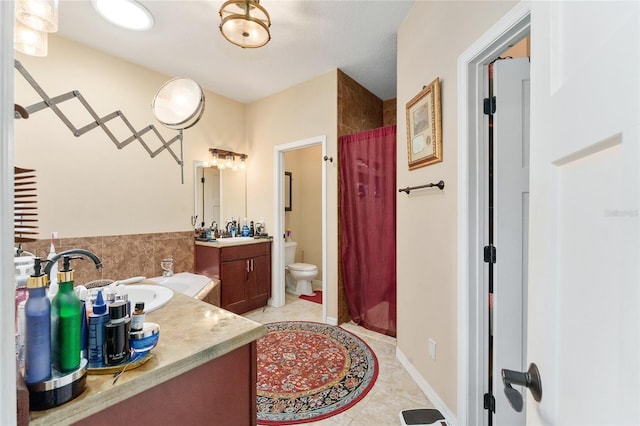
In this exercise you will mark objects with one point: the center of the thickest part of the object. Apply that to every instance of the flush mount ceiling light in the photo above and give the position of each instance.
(245, 23)
(127, 14)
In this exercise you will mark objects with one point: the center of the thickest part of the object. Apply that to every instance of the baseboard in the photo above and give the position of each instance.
(316, 285)
(332, 321)
(424, 386)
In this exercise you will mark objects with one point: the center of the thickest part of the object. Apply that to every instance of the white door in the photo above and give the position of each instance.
(584, 264)
(511, 214)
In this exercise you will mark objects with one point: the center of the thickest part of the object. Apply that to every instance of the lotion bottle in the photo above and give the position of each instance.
(117, 334)
(66, 316)
(37, 328)
(97, 322)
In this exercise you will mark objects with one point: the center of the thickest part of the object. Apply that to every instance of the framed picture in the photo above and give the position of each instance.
(424, 127)
(287, 191)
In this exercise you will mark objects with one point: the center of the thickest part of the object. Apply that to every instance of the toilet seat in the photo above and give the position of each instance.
(302, 267)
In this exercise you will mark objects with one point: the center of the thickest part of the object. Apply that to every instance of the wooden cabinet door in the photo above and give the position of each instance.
(261, 277)
(233, 293)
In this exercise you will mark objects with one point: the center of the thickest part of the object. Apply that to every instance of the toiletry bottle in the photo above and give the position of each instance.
(245, 229)
(117, 334)
(37, 329)
(97, 322)
(82, 292)
(137, 319)
(66, 311)
(121, 294)
(252, 231)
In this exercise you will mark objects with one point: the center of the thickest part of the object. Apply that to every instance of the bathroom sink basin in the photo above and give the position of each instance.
(153, 296)
(184, 282)
(233, 240)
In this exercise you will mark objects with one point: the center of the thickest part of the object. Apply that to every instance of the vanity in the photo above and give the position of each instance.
(203, 371)
(243, 268)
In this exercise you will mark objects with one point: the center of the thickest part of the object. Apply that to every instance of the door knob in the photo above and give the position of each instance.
(530, 379)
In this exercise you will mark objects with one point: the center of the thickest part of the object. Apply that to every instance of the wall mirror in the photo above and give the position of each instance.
(218, 194)
(287, 191)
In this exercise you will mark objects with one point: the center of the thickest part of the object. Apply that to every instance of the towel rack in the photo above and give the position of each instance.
(408, 189)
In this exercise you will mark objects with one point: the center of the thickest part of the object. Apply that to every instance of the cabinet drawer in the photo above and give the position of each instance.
(244, 251)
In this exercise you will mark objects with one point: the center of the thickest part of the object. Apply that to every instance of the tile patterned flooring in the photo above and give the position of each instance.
(394, 389)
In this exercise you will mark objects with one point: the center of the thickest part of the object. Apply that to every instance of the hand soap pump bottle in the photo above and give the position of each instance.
(66, 315)
(37, 328)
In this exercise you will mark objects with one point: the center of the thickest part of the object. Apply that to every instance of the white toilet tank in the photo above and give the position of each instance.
(289, 252)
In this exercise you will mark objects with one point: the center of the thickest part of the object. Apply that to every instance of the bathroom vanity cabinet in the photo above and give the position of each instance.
(244, 271)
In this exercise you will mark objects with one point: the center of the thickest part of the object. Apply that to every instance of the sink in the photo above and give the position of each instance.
(184, 282)
(234, 240)
(153, 296)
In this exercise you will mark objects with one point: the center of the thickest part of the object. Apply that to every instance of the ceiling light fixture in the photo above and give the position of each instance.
(245, 23)
(29, 41)
(34, 20)
(127, 14)
(41, 15)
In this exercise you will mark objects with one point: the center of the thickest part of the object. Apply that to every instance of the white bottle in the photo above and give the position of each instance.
(53, 275)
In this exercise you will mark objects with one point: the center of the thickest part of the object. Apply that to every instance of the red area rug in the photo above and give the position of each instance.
(316, 298)
(309, 371)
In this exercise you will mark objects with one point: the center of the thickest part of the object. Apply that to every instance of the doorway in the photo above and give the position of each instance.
(281, 201)
(473, 315)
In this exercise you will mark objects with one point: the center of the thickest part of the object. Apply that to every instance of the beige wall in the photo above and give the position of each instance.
(305, 217)
(301, 112)
(86, 186)
(429, 42)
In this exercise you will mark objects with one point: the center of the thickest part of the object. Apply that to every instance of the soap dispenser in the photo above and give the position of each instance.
(66, 315)
(37, 328)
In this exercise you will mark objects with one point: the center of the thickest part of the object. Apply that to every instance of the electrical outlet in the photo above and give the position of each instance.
(432, 348)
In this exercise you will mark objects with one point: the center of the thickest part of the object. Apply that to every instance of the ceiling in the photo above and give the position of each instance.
(308, 39)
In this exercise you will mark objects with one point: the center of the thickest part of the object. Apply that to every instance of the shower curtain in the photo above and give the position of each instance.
(368, 217)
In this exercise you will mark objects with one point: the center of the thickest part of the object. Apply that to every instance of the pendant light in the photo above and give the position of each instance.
(245, 23)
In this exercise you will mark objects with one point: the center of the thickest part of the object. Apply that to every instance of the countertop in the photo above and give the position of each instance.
(216, 243)
(191, 333)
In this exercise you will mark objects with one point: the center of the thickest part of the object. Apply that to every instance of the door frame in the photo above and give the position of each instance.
(472, 317)
(7, 308)
(278, 286)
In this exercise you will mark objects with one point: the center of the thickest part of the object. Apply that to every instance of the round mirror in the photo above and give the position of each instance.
(179, 103)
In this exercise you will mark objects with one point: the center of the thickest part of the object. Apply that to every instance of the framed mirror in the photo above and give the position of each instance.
(287, 191)
(218, 194)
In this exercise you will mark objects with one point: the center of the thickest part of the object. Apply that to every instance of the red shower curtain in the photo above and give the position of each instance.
(368, 217)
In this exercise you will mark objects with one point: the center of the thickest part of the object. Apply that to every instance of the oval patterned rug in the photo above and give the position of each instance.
(309, 371)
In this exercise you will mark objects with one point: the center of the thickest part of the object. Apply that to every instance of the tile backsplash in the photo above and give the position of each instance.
(124, 256)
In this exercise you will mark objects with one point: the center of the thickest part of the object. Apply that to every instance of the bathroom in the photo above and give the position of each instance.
(303, 211)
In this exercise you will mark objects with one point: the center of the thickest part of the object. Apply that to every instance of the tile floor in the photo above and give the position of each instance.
(394, 389)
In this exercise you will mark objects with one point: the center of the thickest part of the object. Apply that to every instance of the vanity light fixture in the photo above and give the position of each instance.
(127, 14)
(245, 23)
(224, 159)
(34, 20)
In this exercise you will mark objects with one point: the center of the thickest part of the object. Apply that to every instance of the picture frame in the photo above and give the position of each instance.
(424, 127)
(288, 176)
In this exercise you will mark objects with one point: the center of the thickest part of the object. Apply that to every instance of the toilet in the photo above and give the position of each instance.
(298, 276)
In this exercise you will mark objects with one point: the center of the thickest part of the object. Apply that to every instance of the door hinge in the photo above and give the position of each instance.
(490, 254)
(490, 105)
(489, 402)
(202, 179)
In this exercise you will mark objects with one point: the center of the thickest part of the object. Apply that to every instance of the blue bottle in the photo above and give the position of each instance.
(37, 328)
(97, 321)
